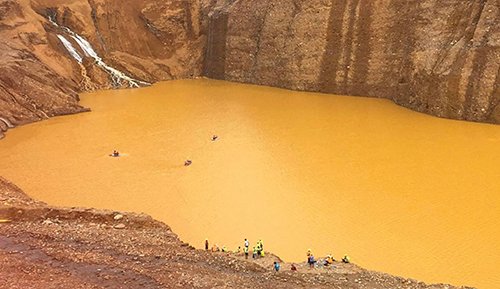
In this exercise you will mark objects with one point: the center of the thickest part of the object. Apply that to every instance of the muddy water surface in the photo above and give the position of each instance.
(399, 191)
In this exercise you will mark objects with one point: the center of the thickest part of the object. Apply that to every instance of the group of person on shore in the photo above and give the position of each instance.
(258, 251)
(327, 261)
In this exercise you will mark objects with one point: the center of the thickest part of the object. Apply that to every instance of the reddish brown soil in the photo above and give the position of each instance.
(48, 247)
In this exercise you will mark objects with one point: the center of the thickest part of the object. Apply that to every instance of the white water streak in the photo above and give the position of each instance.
(70, 48)
(116, 76)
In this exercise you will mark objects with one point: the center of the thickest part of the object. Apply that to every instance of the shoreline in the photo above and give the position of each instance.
(5, 125)
(103, 247)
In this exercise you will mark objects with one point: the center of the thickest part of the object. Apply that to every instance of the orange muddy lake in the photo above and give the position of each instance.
(398, 191)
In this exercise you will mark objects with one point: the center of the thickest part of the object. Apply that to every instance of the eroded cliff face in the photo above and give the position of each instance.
(150, 40)
(436, 56)
(146, 41)
(30, 88)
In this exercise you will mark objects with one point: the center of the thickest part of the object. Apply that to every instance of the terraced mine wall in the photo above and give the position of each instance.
(440, 57)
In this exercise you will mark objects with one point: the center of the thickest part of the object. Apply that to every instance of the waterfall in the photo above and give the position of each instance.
(70, 48)
(116, 76)
(85, 46)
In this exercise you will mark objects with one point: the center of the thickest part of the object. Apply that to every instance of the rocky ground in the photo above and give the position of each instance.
(47, 247)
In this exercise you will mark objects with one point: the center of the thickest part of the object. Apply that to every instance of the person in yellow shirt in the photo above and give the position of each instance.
(328, 260)
(245, 250)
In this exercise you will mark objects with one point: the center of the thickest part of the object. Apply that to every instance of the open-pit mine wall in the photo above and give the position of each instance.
(441, 57)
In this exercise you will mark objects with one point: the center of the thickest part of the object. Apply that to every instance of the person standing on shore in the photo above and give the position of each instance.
(247, 243)
(258, 249)
(206, 244)
(261, 248)
(245, 249)
(311, 261)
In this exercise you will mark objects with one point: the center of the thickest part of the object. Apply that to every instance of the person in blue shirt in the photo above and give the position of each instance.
(277, 266)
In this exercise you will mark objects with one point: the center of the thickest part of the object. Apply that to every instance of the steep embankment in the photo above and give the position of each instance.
(30, 88)
(47, 247)
(435, 56)
(146, 40)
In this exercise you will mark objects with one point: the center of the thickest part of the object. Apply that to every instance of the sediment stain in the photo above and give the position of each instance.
(363, 50)
(332, 55)
(215, 55)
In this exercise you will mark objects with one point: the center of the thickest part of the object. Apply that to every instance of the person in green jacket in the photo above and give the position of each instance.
(245, 250)
(258, 249)
(261, 252)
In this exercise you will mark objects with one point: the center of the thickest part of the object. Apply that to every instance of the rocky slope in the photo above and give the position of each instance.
(145, 40)
(436, 56)
(47, 247)
(30, 88)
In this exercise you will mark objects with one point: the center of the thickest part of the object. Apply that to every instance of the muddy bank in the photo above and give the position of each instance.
(47, 247)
